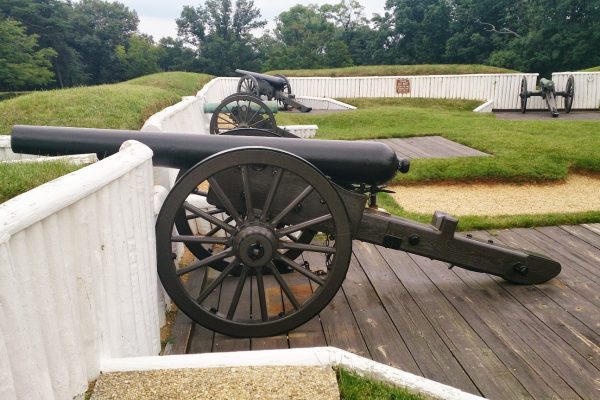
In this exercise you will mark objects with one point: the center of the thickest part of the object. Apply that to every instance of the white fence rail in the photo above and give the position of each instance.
(77, 277)
(587, 89)
(502, 89)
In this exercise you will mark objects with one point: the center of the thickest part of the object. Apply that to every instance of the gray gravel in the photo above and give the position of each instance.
(220, 383)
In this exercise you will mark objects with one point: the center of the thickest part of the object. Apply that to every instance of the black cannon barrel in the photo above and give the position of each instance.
(273, 80)
(371, 163)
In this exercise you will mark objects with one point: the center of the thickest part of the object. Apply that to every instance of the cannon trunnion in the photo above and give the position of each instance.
(270, 223)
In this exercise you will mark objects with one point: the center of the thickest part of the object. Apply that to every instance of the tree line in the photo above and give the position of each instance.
(57, 43)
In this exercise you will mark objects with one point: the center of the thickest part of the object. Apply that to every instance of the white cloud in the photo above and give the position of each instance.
(158, 27)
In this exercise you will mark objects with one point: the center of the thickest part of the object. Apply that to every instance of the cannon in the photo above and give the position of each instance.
(240, 111)
(548, 93)
(270, 222)
(275, 87)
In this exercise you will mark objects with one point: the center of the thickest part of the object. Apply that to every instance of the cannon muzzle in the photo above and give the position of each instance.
(344, 162)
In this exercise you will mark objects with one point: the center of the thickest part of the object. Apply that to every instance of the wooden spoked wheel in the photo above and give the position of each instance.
(261, 197)
(248, 85)
(569, 94)
(523, 95)
(241, 111)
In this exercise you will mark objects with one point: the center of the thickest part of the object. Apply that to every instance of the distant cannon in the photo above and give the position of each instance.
(548, 92)
(275, 87)
(273, 239)
(248, 113)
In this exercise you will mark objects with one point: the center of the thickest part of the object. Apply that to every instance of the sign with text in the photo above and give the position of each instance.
(402, 86)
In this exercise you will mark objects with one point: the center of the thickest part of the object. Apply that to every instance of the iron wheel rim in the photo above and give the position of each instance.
(301, 312)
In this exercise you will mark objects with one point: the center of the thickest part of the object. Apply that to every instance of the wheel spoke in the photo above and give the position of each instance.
(284, 286)
(299, 268)
(308, 190)
(261, 295)
(238, 292)
(210, 212)
(206, 261)
(218, 228)
(271, 195)
(303, 225)
(254, 115)
(308, 247)
(247, 193)
(224, 200)
(213, 220)
(257, 123)
(234, 263)
(199, 239)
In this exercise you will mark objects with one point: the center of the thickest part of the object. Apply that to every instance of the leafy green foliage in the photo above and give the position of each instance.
(140, 58)
(21, 64)
(222, 34)
(354, 387)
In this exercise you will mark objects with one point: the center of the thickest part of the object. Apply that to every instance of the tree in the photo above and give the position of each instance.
(222, 34)
(175, 56)
(52, 21)
(22, 66)
(420, 29)
(140, 57)
(306, 39)
(101, 27)
(352, 27)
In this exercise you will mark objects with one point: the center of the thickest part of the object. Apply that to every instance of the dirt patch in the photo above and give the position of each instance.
(579, 193)
(220, 383)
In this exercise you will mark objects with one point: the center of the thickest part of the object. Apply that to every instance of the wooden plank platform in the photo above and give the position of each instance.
(465, 329)
(430, 147)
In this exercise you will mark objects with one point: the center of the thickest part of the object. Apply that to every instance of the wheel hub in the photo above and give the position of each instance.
(255, 245)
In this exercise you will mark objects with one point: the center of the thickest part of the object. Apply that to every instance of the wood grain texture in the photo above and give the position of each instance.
(470, 330)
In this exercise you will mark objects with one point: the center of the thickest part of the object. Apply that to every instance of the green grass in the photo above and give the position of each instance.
(593, 69)
(17, 178)
(390, 70)
(118, 106)
(354, 387)
(523, 151)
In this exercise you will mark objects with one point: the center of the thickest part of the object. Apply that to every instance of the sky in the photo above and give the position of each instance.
(157, 17)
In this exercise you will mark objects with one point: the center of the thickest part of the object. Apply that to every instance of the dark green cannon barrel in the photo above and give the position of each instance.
(371, 163)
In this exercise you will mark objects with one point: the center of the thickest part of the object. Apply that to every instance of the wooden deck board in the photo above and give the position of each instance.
(469, 330)
(430, 147)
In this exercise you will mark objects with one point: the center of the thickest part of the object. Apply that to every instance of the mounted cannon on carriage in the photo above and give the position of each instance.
(273, 87)
(275, 217)
(548, 93)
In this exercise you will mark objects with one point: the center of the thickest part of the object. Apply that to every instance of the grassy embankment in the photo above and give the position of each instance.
(593, 69)
(390, 70)
(119, 106)
(354, 387)
(523, 151)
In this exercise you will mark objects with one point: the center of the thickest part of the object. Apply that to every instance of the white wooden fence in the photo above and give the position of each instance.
(587, 89)
(77, 277)
(502, 89)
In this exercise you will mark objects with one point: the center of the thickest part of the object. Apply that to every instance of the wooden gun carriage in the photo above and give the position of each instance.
(274, 87)
(270, 222)
(548, 93)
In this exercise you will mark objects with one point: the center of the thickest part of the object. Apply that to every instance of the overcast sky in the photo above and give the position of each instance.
(157, 17)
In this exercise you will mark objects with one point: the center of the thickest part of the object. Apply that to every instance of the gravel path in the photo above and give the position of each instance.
(579, 193)
(260, 383)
